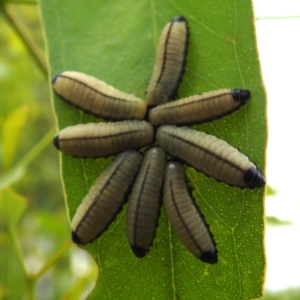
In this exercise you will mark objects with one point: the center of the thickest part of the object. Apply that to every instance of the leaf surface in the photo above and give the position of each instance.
(116, 41)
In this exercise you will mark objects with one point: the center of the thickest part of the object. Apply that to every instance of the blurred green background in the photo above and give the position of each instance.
(37, 258)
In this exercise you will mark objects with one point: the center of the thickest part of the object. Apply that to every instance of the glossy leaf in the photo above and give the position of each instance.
(116, 42)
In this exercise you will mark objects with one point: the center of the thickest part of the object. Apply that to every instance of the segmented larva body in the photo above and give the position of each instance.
(103, 139)
(105, 198)
(198, 109)
(144, 202)
(185, 216)
(210, 155)
(97, 98)
(170, 62)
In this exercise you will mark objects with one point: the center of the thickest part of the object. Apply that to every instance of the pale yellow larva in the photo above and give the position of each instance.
(185, 216)
(198, 109)
(97, 98)
(103, 139)
(105, 198)
(210, 155)
(144, 202)
(170, 62)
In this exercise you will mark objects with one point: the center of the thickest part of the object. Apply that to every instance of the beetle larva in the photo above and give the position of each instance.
(105, 198)
(170, 62)
(198, 109)
(103, 139)
(97, 98)
(210, 155)
(144, 202)
(185, 216)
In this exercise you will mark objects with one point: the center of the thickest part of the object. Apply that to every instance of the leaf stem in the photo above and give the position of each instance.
(18, 170)
(37, 149)
(31, 282)
(17, 249)
(23, 33)
(53, 259)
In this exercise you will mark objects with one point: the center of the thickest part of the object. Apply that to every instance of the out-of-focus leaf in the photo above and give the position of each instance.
(273, 221)
(51, 226)
(12, 206)
(12, 176)
(271, 191)
(18, 171)
(12, 134)
(288, 294)
(116, 42)
(3, 292)
(77, 289)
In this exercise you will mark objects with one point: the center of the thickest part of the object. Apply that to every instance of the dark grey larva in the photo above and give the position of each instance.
(170, 62)
(210, 155)
(144, 202)
(97, 98)
(103, 139)
(198, 109)
(105, 198)
(185, 216)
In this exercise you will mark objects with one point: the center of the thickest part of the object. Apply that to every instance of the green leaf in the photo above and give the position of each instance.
(270, 191)
(287, 294)
(12, 206)
(12, 133)
(274, 221)
(11, 176)
(17, 172)
(116, 41)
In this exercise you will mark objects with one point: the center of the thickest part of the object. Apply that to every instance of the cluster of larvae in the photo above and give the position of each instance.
(145, 179)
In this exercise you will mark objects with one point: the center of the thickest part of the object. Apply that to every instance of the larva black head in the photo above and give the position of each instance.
(240, 95)
(138, 251)
(76, 239)
(56, 141)
(54, 78)
(254, 178)
(210, 257)
(178, 19)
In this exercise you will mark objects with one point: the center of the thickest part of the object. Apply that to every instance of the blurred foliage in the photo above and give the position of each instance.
(36, 256)
(288, 294)
(271, 191)
(273, 221)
